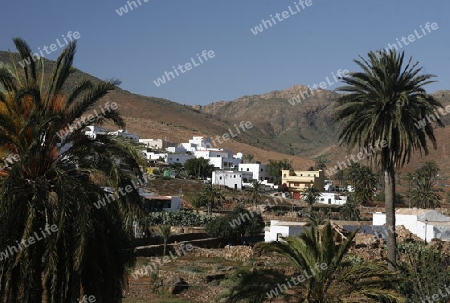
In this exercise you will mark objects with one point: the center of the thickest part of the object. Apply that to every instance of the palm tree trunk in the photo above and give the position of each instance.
(389, 191)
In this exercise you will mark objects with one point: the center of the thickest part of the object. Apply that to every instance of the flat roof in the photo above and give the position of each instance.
(412, 211)
(409, 211)
(169, 198)
(289, 223)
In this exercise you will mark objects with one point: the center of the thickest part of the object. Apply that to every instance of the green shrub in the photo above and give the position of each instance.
(181, 218)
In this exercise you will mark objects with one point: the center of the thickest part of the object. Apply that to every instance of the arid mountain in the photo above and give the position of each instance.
(286, 124)
(292, 121)
(306, 128)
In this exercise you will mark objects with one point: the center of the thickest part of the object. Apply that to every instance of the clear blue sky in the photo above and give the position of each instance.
(139, 46)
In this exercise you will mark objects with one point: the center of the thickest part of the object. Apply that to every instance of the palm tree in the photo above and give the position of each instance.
(421, 186)
(340, 176)
(428, 170)
(165, 232)
(349, 211)
(326, 272)
(423, 194)
(211, 197)
(317, 218)
(56, 183)
(364, 182)
(196, 201)
(255, 191)
(310, 196)
(383, 102)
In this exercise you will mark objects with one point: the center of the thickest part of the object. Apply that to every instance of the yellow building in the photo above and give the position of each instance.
(298, 180)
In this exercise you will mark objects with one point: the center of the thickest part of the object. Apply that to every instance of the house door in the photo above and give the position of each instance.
(297, 195)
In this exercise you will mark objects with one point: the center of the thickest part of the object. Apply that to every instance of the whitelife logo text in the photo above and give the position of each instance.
(53, 48)
(187, 66)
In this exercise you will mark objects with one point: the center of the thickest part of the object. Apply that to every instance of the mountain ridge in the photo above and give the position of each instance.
(280, 130)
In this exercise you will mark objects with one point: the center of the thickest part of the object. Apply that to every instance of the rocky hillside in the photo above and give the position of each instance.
(288, 124)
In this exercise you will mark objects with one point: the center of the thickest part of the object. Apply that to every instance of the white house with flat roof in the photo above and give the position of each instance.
(257, 169)
(125, 134)
(332, 198)
(92, 131)
(219, 158)
(427, 224)
(278, 229)
(230, 179)
(178, 158)
(153, 143)
(157, 203)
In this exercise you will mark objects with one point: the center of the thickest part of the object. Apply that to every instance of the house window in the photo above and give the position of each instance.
(262, 169)
(234, 176)
(301, 175)
(322, 199)
(220, 178)
(296, 184)
(247, 169)
(284, 175)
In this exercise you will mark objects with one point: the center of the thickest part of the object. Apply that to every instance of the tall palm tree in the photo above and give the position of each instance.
(383, 102)
(327, 274)
(255, 191)
(212, 196)
(310, 196)
(165, 232)
(364, 182)
(56, 183)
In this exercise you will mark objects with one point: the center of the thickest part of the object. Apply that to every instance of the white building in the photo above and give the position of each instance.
(278, 229)
(155, 156)
(124, 134)
(196, 143)
(219, 158)
(427, 224)
(178, 158)
(176, 150)
(328, 186)
(152, 143)
(258, 170)
(155, 203)
(332, 198)
(92, 131)
(230, 179)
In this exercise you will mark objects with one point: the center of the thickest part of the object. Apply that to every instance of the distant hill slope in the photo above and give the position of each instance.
(304, 128)
(159, 118)
(298, 132)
